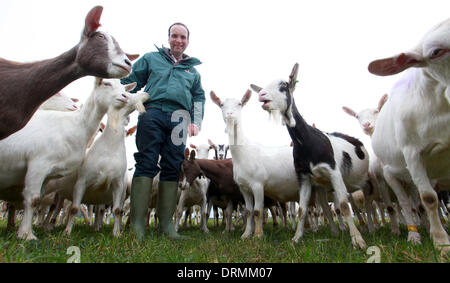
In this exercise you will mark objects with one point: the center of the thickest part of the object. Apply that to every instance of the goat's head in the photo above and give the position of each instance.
(277, 97)
(220, 150)
(99, 54)
(112, 96)
(190, 170)
(231, 108)
(60, 102)
(432, 53)
(367, 118)
(202, 150)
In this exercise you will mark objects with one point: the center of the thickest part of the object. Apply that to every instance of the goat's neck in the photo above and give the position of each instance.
(300, 133)
(90, 116)
(235, 132)
(212, 172)
(114, 131)
(45, 78)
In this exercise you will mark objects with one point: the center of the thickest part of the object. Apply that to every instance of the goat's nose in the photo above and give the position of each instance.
(366, 125)
(128, 62)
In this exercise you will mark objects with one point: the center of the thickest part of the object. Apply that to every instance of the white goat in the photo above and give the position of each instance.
(102, 177)
(258, 170)
(60, 102)
(335, 161)
(367, 119)
(51, 145)
(416, 118)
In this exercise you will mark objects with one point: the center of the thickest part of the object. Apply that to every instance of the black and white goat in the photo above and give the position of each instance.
(335, 161)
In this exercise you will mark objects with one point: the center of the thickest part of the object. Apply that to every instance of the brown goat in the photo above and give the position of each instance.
(25, 86)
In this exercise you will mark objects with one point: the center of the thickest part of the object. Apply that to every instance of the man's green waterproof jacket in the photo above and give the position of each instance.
(171, 86)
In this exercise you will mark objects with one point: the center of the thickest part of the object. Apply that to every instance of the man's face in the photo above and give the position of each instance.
(178, 40)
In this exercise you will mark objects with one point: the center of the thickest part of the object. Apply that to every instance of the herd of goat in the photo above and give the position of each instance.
(48, 154)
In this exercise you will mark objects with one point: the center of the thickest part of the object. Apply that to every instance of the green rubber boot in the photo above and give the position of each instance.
(166, 204)
(141, 191)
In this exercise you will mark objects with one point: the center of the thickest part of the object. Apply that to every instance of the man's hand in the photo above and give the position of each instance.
(193, 130)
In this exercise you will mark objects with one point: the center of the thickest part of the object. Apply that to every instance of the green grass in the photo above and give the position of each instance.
(275, 247)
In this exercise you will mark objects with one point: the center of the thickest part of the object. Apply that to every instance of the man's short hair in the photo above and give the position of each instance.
(180, 24)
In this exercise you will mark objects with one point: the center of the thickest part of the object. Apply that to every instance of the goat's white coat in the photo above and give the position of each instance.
(51, 145)
(416, 118)
(102, 177)
(258, 170)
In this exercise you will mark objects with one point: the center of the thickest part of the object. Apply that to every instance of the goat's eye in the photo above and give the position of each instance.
(437, 53)
(107, 84)
(99, 35)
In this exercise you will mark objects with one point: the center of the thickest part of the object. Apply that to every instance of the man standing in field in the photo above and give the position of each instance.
(175, 92)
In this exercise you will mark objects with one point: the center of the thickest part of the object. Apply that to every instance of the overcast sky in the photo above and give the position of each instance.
(243, 42)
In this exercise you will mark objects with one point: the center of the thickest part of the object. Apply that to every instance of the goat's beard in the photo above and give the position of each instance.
(275, 116)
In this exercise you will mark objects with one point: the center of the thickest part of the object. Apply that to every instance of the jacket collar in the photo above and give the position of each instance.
(186, 60)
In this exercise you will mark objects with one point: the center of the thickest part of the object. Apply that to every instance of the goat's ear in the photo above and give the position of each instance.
(193, 146)
(215, 99)
(382, 101)
(186, 153)
(256, 88)
(293, 78)
(396, 64)
(349, 111)
(92, 22)
(192, 156)
(131, 130)
(246, 97)
(130, 87)
(132, 57)
(211, 143)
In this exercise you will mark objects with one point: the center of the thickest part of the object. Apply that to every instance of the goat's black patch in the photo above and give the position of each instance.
(354, 141)
(311, 146)
(346, 163)
(284, 88)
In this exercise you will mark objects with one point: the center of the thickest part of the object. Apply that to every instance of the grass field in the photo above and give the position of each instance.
(275, 247)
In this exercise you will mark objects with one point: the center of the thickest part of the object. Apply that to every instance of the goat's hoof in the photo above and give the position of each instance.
(414, 238)
(245, 236)
(26, 236)
(358, 241)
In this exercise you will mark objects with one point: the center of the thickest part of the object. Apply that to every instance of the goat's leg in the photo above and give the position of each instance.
(204, 215)
(384, 192)
(11, 217)
(357, 212)
(248, 198)
(322, 198)
(31, 199)
(429, 198)
(179, 211)
(118, 190)
(405, 204)
(78, 193)
(54, 210)
(274, 215)
(304, 196)
(258, 196)
(340, 192)
(368, 205)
